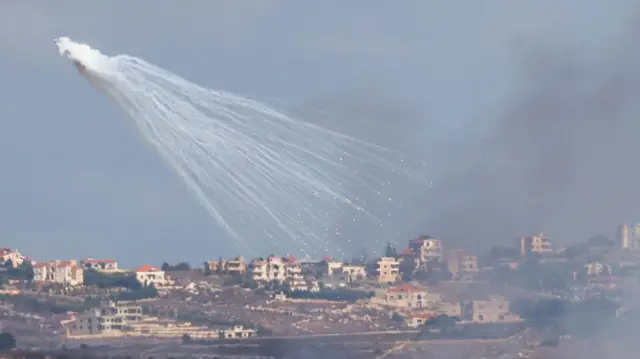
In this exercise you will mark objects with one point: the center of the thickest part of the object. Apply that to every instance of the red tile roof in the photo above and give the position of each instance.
(426, 316)
(148, 268)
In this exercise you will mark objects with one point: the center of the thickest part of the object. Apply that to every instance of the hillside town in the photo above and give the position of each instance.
(424, 288)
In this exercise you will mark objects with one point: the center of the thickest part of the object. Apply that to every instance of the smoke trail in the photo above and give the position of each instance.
(263, 176)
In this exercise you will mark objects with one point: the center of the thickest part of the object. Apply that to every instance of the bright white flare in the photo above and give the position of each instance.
(264, 177)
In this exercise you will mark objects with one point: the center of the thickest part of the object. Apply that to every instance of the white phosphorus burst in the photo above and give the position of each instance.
(264, 177)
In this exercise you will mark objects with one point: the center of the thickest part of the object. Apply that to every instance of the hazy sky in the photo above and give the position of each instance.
(525, 109)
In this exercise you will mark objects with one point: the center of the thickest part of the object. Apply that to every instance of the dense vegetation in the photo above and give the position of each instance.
(175, 267)
(116, 280)
(22, 272)
(135, 290)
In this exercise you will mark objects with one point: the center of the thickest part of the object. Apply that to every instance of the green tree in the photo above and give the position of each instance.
(220, 269)
(390, 251)
(206, 269)
(22, 272)
(181, 266)
(117, 280)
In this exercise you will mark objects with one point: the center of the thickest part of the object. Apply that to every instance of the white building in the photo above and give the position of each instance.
(353, 273)
(388, 270)
(14, 256)
(148, 275)
(427, 247)
(598, 268)
(100, 265)
(629, 236)
(60, 272)
(277, 268)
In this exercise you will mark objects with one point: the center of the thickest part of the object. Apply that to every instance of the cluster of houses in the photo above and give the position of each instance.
(424, 252)
(415, 302)
(71, 272)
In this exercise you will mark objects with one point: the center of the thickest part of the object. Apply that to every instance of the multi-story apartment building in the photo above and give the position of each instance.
(12, 256)
(353, 273)
(629, 236)
(100, 265)
(150, 275)
(59, 272)
(388, 270)
(427, 248)
(279, 269)
(237, 266)
(539, 244)
(331, 267)
(462, 265)
(110, 316)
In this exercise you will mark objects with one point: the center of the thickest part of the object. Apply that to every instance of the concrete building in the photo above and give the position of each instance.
(410, 296)
(353, 273)
(331, 267)
(237, 266)
(428, 248)
(126, 319)
(100, 265)
(629, 236)
(462, 265)
(388, 270)
(280, 269)
(538, 244)
(109, 317)
(148, 275)
(452, 309)
(67, 273)
(595, 268)
(493, 310)
(13, 256)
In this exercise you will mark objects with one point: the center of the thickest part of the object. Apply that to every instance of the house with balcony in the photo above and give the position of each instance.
(151, 275)
(353, 273)
(279, 269)
(495, 309)
(236, 266)
(462, 265)
(410, 296)
(12, 256)
(66, 273)
(428, 248)
(537, 244)
(388, 269)
(101, 265)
